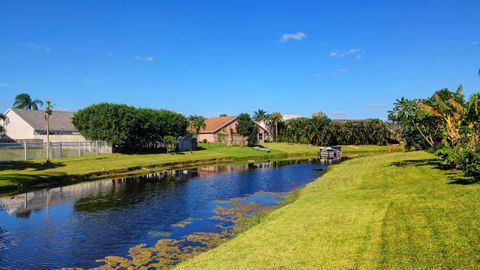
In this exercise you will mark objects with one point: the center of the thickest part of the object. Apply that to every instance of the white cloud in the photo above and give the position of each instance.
(332, 74)
(144, 58)
(110, 54)
(339, 113)
(376, 106)
(294, 36)
(36, 46)
(475, 43)
(355, 52)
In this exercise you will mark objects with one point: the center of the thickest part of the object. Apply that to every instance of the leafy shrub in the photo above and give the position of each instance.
(470, 163)
(127, 128)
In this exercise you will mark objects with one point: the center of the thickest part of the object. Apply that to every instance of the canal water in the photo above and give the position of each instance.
(76, 225)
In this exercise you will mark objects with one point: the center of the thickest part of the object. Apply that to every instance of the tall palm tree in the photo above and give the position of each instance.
(24, 101)
(260, 115)
(275, 118)
(48, 112)
(197, 122)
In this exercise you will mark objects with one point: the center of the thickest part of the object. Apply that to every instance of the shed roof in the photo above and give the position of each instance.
(59, 120)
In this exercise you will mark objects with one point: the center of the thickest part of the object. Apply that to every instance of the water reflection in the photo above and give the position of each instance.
(81, 223)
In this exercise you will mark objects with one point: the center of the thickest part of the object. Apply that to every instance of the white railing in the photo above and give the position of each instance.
(37, 150)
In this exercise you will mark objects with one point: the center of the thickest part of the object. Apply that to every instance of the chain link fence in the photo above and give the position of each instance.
(38, 150)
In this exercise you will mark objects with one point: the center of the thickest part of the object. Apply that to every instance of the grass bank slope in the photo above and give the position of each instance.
(388, 211)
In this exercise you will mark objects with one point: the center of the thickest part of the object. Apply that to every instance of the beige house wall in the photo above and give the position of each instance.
(210, 137)
(16, 128)
(229, 132)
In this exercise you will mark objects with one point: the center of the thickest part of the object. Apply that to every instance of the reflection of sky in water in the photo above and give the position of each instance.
(75, 225)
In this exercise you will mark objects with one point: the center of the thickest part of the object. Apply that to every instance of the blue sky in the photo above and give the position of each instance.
(349, 59)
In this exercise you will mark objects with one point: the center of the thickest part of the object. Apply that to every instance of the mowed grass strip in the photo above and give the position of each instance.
(388, 211)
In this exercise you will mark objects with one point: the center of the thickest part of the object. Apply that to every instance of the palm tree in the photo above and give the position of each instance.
(48, 112)
(260, 115)
(3, 118)
(24, 101)
(275, 118)
(197, 122)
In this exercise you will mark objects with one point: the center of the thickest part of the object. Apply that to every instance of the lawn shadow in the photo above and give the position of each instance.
(25, 165)
(464, 180)
(453, 175)
(436, 163)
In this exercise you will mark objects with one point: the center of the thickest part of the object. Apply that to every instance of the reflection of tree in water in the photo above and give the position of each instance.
(126, 192)
(23, 214)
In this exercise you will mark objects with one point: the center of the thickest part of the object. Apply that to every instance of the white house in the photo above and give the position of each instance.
(23, 125)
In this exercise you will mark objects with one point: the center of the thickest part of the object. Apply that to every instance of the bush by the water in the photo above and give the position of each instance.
(130, 129)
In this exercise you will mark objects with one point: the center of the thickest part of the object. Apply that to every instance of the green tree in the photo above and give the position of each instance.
(24, 101)
(197, 122)
(260, 115)
(170, 143)
(3, 118)
(129, 129)
(48, 113)
(419, 129)
(247, 128)
(275, 118)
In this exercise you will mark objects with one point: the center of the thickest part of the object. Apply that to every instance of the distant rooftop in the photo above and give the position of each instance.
(215, 123)
(286, 117)
(59, 120)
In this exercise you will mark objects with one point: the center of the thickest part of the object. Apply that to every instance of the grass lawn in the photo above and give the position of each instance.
(14, 175)
(387, 211)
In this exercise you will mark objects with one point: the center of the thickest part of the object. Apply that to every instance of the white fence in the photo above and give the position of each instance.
(34, 150)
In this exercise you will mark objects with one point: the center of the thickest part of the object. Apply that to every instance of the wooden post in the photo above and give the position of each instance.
(60, 149)
(25, 150)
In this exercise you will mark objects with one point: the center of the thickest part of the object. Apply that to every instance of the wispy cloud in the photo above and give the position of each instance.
(36, 46)
(110, 54)
(355, 52)
(332, 74)
(147, 58)
(376, 106)
(99, 81)
(476, 43)
(294, 36)
(339, 113)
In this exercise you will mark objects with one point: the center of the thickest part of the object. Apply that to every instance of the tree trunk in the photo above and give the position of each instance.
(47, 119)
(276, 131)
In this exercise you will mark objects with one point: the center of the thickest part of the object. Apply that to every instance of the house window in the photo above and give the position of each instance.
(260, 136)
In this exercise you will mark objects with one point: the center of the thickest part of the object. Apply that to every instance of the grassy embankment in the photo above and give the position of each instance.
(15, 175)
(387, 211)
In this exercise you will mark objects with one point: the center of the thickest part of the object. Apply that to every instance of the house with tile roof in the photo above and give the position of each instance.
(24, 125)
(223, 129)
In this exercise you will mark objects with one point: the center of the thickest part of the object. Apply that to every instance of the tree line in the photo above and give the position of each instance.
(321, 130)
(446, 123)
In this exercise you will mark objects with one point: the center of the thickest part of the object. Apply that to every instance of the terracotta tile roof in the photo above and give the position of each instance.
(215, 123)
